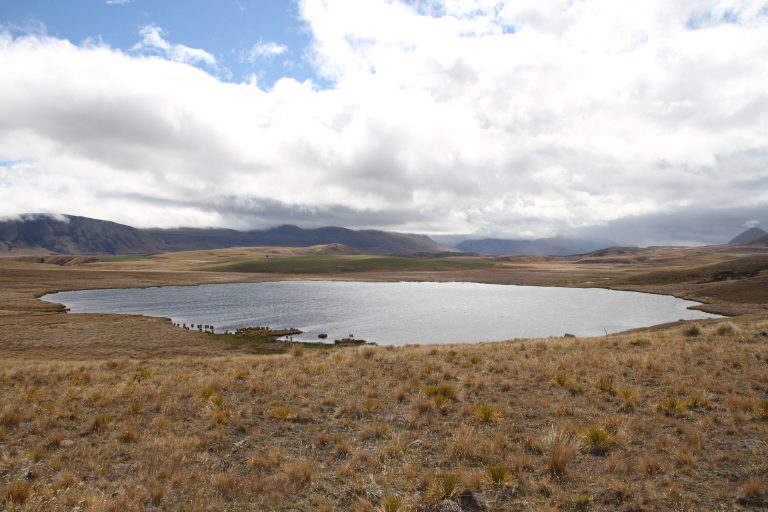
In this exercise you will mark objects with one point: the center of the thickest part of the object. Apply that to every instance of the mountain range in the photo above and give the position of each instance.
(556, 246)
(71, 234)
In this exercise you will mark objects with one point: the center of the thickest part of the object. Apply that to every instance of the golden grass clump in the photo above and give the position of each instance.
(444, 487)
(597, 440)
(692, 331)
(17, 492)
(486, 413)
(559, 448)
(498, 475)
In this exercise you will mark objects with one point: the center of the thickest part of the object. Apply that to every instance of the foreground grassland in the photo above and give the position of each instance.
(635, 422)
(123, 413)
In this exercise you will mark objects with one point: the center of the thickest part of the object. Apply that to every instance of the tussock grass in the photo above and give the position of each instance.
(559, 449)
(597, 440)
(427, 425)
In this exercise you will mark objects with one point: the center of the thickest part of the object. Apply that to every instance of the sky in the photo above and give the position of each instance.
(636, 122)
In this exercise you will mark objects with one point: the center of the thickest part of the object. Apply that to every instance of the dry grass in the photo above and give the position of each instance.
(312, 431)
(651, 420)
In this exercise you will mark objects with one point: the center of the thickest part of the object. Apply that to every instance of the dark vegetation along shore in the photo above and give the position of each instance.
(110, 412)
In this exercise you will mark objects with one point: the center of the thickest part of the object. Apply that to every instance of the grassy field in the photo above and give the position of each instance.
(125, 257)
(124, 413)
(324, 264)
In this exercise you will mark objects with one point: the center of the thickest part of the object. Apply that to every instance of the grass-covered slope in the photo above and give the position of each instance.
(323, 264)
(673, 420)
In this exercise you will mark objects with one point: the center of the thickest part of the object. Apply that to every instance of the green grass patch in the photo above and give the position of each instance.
(325, 264)
(126, 257)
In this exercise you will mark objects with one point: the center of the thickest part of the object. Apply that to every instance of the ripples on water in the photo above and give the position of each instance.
(393, 313)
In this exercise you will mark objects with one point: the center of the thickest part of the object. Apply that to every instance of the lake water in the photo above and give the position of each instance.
(393, 313)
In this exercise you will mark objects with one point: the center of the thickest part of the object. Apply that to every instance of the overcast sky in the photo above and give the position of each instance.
(640, 122)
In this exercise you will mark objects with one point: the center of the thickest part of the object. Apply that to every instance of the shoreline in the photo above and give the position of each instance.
(694, 307)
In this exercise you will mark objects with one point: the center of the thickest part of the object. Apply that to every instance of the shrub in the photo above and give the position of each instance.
(219, 417)
(128, 434)
(136, 407)
(300, 473)
(697, 402)
(726, 329)
(605, 384)
(559, 449)
(628, 398)
(370, 405)
(560, 378)
(54, 440)
(650, 465)
(597, 440)
(17, 492)
(762, 408)
(11, 417)
(65, 480)
(142, 374)
(485, 413)
(283, 413)
(464, 444)
(672, 406)
(446, 391)
(101, 422)
(207, 392)
(754, 492)
(444, 487)
(692, 331)
(391, 504)
(498, 475)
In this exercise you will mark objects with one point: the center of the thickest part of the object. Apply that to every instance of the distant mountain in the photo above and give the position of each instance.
(70, 234)
(369, 241)
(748, 236)
(763, 240)
(550, 246)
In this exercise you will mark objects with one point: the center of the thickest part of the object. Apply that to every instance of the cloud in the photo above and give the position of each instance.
(507, 119)
(686, 227)
(117, 2)
(265, 50)
(153, 42)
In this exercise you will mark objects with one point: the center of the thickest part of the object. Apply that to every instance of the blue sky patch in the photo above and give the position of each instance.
(265, 39)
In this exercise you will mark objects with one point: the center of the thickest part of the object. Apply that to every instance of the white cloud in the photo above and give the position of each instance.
(265, 50)
(117, 2)
(152, 41)
(521, 118)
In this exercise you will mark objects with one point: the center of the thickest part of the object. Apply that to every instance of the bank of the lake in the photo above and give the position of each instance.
(393, 312)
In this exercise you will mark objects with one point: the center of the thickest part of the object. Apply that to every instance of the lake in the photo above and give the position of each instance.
(393, 313)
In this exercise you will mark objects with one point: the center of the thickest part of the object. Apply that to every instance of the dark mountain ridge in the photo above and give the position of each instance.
(71, 234)
(367, 241)
(749, 236)
(556, 246)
